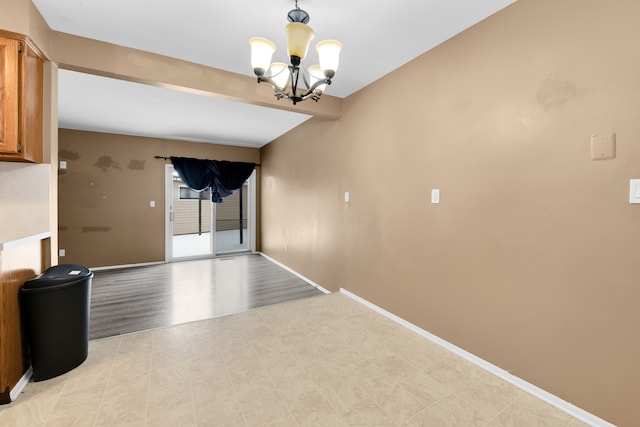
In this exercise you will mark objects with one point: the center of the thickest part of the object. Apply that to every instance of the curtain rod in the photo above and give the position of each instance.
(169, 158)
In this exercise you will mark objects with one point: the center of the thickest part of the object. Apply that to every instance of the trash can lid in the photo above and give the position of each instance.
(62, 274)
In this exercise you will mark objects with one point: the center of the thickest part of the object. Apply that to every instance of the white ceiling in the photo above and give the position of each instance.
(378, 37)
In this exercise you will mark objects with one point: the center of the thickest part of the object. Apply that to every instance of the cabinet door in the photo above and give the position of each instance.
(9, 84)
(30, 119)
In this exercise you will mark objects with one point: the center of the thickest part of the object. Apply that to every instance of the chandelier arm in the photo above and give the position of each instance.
(280, 94)
(293, 96)
(318, 83)
(311, 92)
(313, 96)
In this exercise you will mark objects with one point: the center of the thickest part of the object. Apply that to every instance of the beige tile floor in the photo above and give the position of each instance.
(320, 361)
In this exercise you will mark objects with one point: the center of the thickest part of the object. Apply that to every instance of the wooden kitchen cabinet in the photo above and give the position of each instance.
(18, 263)
(21, 99)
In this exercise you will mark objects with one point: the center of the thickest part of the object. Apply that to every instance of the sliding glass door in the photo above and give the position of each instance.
(197, 228)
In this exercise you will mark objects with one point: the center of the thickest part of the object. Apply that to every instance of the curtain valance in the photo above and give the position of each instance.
(223, 177)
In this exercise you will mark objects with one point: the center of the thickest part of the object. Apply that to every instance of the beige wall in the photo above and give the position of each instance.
(104, 194)
(24, 200)
(22, 17)
(530, 259)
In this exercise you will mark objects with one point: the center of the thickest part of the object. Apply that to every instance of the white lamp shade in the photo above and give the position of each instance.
(280, 74)
(261, 53)
(315, 74)
(329, 55)
(299, 37)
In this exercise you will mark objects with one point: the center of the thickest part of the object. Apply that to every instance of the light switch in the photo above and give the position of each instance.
(152, 204)
(347, 197)
(634, 191)
(63, 164)
(435, 196)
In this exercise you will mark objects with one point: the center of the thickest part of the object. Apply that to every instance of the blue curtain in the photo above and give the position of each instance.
(223, 177)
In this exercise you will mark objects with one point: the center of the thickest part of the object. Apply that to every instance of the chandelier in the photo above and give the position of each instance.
(292, 81)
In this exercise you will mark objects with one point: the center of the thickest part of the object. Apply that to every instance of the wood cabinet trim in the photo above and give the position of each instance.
(9, 95)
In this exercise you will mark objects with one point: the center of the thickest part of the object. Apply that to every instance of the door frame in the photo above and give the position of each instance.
(252, 212)
(168, 221)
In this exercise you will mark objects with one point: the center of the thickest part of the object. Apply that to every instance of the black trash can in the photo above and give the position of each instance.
(55, 314)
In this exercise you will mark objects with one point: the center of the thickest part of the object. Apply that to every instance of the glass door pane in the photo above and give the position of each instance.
(192, 218)
(232, 222)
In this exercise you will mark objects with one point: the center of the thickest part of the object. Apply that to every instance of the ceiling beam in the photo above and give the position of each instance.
(109, 60)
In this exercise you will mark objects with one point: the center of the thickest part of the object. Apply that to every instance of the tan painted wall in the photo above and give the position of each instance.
(22, 17)
(24, 200)
(530, 259)
(104, 194)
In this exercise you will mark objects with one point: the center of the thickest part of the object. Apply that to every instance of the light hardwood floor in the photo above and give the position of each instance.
(140, 298)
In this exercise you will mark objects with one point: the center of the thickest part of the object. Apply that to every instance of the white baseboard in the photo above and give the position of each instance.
(114, 267)
(22, 383)
(541, 394)
(311, 282)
